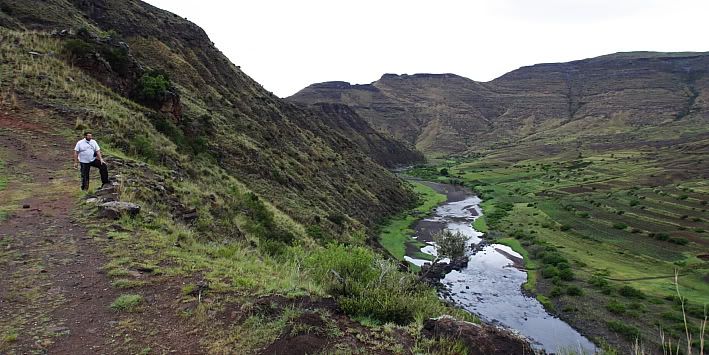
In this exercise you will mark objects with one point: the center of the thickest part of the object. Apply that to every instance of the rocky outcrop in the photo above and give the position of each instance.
(116, 209)
(433, 273)
(479, 339)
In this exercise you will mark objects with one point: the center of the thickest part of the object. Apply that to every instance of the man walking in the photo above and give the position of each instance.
(87, 153)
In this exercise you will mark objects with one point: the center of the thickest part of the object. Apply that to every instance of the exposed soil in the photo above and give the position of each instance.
(321, 328)
(516, 261)
(454, 193)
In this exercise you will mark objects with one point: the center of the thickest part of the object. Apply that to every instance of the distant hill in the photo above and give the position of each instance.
(612, 94)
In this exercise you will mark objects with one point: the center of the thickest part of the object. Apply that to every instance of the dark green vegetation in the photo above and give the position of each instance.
(603, 231)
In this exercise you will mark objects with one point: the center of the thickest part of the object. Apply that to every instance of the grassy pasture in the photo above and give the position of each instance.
(624, 218)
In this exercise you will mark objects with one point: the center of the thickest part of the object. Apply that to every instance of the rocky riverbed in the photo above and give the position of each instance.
(488, 282)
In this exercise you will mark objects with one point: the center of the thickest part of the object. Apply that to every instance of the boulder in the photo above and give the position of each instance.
(115, 209)
(432, 274)
(479, 339)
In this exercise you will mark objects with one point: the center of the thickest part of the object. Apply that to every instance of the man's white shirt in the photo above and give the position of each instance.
(86, 150)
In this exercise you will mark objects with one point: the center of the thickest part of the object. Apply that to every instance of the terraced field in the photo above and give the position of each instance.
(623, 221)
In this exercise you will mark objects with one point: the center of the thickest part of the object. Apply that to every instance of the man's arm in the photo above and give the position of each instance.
(100, 158)
(76, 159)
(97, 149)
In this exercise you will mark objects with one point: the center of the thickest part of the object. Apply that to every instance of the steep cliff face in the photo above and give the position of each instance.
(307, 162)
(356, 134)
(447, 113)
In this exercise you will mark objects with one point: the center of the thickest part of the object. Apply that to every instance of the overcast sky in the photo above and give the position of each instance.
(286, 45)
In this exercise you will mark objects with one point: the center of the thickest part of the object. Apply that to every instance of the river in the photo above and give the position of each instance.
(491, 285)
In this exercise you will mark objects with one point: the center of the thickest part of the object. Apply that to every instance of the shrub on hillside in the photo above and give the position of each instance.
(450, 245)
(368, 286)
(153, 86)
(77, 48)
(141, 145)
(619, 225)
(550, 271)
(566, 274)
(679, 241)
(574, 290)
(630, 292)
(582, 214)
(116, 57)
(616, 307)
(662, 236)
(628, 331)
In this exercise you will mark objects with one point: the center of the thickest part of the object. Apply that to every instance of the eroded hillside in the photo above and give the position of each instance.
(605, 96)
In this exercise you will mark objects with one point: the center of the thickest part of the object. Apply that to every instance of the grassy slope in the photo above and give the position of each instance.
(3, 183)
(239, 269)
(603, 212)
(396, 234)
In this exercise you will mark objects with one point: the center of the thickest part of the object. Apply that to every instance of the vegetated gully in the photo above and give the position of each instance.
(491, 284)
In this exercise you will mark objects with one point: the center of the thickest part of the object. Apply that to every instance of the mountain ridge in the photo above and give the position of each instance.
(634, 88)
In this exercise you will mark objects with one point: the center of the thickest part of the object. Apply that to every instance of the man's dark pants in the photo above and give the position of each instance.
(86, 168)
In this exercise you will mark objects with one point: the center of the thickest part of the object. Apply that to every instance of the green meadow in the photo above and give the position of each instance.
(602, 233)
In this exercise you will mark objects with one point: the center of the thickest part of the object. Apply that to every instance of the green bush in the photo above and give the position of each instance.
(368, 286)
(556, 291)
(141, 145)
(117, 57)
(566, 274)
(450, 245)
(574, 290)
(679, 241)
(554, 259)
(153, 86)
(598, 281)
(619, 225)
(550, 271)
(628, 331)
(630, 292)
(77, 48)
(662, 236)
(616, 307)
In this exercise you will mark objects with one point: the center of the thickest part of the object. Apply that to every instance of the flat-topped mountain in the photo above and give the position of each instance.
(447, 113)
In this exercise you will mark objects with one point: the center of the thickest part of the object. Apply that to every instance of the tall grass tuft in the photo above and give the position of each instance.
(670, 348)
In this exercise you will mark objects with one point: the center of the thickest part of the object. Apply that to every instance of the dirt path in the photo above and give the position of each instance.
(54, 295)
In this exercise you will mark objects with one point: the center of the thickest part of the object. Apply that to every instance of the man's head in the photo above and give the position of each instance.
(88, 136)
